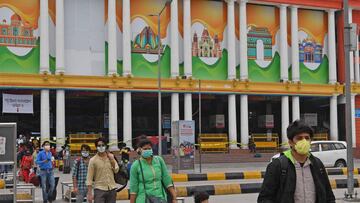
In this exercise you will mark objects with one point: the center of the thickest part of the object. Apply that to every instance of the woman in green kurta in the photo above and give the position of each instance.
(155, 174)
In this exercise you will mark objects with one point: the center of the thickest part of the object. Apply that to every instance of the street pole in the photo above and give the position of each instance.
(200, 125)
(348, 117)
(159, 86)
(159, 76)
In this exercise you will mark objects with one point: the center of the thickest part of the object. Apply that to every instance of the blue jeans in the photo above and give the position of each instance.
(47, 176)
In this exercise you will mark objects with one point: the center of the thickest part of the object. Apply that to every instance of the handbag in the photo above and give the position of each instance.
(149, 198)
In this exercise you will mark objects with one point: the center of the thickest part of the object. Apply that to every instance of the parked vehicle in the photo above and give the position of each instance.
(331, 153)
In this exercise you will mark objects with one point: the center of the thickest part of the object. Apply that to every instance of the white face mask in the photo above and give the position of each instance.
(101, 149)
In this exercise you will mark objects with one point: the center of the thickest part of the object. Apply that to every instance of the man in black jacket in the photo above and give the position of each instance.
(296, 176)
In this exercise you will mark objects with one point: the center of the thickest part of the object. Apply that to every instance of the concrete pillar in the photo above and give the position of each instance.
(44, 36)
(188, 107)
(243, 41)
(60, 69)
(295, 108)
(60, 39)
(174, 39)
(232, 121)
(127, 114)
(60, 119)
(244, 124)
(127, 119)
(44, 115)
(284, 118)
(113, 128)
(333, 118)
(294, 44)
(283, 44)
(126, 38)
(112, 52)
(187, 56)
(332, 47)
(231, 39)
(174, 59)
(231, 72)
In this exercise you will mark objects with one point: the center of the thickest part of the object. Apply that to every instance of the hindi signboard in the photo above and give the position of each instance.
(15, 103)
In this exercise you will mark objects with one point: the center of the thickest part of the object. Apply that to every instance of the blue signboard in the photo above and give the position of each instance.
(357, 113)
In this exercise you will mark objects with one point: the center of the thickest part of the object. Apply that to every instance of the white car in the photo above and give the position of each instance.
(331, 153)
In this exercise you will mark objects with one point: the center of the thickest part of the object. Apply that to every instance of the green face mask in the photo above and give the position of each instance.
(302, 147)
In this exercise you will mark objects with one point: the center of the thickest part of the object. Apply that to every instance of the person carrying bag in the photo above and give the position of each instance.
(149, 178)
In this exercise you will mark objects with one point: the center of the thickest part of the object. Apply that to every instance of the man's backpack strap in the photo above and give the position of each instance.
(284, 164)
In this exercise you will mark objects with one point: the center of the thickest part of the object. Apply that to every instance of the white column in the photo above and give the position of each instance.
(174, 59)
(126, 38)
(295, 61)
(44, 115)
(333, 118)
(127, 119)
(244, 124)
(243, 41)
(60, 39)
(188, 107)
(232, 121)
(332, 47)
(174, 39)
(44, 36)
(353, 123)
(284, 118)
(332, 76)
(60, 119)
(231, 72)
(351, 62)
(283, 44)
(294, 44)
(244, 121)
(60, 68)
(231, 39)
(295, 108)
(44, 67)
(284, 70)
(112, 61)
(175, 107)
(187, 56)
(112, 65)
(187, 38)
(127, 115)
(113, 128)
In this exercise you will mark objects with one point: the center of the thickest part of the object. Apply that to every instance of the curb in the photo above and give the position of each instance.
(231, 189)
(242, 175)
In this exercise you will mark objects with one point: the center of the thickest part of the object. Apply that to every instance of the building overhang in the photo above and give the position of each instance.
(116, 83)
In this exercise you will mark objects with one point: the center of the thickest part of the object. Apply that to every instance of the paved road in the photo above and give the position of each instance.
(245, 198)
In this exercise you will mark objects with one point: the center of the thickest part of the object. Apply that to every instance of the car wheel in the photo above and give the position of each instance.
(340, 164)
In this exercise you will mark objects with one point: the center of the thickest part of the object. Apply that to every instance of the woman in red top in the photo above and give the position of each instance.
(26, 163)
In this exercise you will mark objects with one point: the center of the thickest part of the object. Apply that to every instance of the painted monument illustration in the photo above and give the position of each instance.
(259, 43)
(147, 42)
(206, 46)
(18, 33)
(310, 51)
